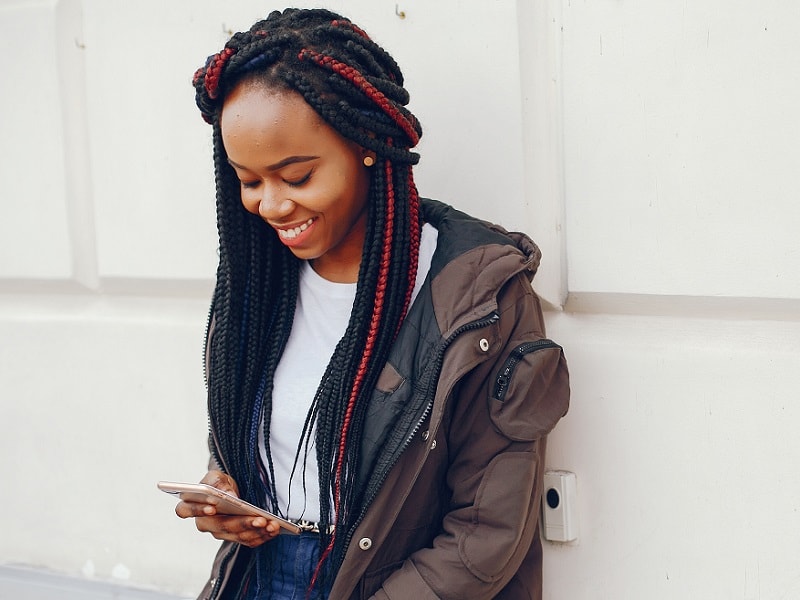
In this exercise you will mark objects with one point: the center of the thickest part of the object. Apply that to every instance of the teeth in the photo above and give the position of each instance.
(290, 234)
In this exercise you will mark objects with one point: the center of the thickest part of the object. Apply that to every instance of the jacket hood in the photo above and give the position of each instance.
(473, 260)
(473, 232)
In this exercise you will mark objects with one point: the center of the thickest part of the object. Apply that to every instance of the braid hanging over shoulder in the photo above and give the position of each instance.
(357, 88)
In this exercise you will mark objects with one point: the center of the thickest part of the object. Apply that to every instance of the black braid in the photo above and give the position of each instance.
(304, 51)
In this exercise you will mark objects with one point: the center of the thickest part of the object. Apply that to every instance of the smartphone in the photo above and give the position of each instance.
(227, 504)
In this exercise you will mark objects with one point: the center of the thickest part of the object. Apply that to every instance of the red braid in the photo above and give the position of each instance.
(375, 321)
(377, 311)
(373, 93)
(214, 70)
(416, 233)
(352, 26)
(197, 75)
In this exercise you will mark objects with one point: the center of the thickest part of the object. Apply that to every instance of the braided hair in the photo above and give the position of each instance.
(357, 88)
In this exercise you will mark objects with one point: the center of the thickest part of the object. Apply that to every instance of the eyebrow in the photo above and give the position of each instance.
(289, 160)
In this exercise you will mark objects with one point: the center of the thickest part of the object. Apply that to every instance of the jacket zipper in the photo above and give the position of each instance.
(478, 324)
(517, 354)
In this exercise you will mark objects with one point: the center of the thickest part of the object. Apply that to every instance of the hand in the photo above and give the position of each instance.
(249, 531)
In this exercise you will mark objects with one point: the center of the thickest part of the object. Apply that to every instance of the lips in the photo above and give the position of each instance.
(291, 233)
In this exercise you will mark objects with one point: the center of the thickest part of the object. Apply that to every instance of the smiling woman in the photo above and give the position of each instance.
(353, 331)
(298, 174)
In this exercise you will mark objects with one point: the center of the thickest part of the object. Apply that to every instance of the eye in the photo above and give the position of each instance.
(300, 181)
(249, 185)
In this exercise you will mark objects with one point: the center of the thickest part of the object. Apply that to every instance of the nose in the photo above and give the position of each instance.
(266, 202)
(272, 207)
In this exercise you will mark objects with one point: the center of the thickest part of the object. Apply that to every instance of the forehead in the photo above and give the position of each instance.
(252, 109)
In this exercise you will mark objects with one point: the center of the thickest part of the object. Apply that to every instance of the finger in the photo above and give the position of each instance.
(186, 509)
(255, 537)
(221, 481)
(213, 478)
(228, 524)
(244, 530)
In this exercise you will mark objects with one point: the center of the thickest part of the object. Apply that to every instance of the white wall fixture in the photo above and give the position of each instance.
(559, 505)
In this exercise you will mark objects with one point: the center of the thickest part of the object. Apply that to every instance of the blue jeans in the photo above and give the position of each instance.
(285, 566)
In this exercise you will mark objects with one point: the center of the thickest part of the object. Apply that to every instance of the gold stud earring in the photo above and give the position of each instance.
(368, 161)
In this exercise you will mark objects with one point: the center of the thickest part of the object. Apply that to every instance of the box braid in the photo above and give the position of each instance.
(357, 88)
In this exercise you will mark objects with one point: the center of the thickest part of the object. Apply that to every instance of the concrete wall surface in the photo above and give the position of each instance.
(648, 147)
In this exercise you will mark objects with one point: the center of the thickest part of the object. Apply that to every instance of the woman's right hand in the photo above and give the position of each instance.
(249, 531)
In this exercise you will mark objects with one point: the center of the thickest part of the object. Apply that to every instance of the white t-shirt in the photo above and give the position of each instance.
(320, 320)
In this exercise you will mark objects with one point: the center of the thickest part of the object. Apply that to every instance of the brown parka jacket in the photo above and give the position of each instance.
(454, 442)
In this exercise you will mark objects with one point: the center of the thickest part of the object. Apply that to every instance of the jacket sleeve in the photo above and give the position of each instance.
(495, 436)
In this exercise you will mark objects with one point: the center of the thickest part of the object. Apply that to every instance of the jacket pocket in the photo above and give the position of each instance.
(530, 391)
(372, 581)
(503, 512)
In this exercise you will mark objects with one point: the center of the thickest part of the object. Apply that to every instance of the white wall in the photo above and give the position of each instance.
(683, 321)
(649, 147)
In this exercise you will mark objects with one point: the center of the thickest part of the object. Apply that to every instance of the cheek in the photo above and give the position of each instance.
(250, 200)
(355, 187)
(339, 193)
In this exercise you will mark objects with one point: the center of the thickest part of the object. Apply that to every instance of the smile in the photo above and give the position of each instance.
(290, 234)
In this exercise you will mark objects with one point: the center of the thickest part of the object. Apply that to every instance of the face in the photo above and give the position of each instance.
(299, 175)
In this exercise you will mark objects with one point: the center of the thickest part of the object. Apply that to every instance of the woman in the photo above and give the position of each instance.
(376, 363)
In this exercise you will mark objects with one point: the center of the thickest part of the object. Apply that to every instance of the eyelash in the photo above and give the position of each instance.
(304, 179)
(301, 181)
